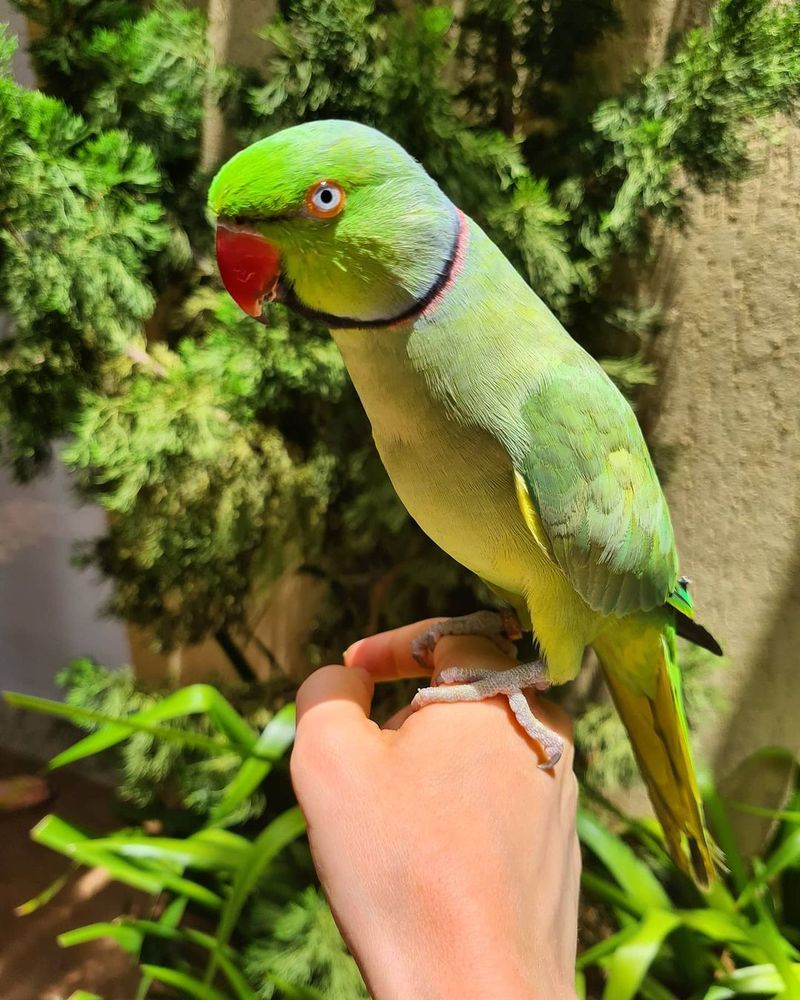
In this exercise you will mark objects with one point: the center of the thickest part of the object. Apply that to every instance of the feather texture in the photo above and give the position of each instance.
(504, 439)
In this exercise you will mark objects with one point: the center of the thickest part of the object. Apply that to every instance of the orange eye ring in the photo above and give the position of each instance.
(325, 200)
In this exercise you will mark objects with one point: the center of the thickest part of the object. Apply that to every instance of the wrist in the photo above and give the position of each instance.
(405, 974)
(458, 953)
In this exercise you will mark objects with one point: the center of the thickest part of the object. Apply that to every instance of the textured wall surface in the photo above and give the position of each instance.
(724, 421)
(728, 415)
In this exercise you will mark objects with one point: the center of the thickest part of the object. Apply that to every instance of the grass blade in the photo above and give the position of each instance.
(278, 734)
(607, 892)
(232, 973)
(638, 883)
(183, 981)
(787, 855)
(189, 852)
(631, 962)
(127, 937)
(66, 839)
(604, 948)
(718, 821)
(270, 842)
(169, 919)
(44, 897)
(122, 729)
(754, 979)
(273, 742)
(248, 778)
(717, 926)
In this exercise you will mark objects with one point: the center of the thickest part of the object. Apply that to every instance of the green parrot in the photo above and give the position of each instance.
(505, 440)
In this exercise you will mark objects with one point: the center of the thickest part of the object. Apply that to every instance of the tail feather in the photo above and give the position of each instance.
(685, 625)
(694, 632)
(639, 662)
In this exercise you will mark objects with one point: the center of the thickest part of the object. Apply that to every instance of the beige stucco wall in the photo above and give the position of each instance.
(724, 422)
(728, 414)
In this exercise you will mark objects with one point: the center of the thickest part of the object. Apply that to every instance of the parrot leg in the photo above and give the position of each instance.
(473, 684)
(500, 628)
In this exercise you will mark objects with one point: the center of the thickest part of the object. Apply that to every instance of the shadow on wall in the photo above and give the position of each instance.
(776, 669)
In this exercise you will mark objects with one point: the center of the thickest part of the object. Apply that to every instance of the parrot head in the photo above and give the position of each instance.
(334, 219)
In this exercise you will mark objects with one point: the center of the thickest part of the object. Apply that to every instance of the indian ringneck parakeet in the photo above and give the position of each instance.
(504, 439)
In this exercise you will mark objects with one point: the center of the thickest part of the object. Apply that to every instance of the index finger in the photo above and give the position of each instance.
(387, 655)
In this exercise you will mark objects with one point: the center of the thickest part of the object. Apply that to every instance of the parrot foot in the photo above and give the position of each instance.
(500, 628)
(473, 684)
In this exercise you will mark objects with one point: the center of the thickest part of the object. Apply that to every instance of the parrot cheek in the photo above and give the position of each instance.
(249, 266)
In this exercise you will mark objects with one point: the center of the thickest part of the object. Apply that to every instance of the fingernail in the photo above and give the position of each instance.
(350, 652)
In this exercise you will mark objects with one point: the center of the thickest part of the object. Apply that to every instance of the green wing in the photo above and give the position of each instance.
(589, 475)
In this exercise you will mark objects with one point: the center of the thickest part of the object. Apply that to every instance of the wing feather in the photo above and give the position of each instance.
(590, 481)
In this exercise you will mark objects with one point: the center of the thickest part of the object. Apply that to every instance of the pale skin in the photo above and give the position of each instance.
(449, 858)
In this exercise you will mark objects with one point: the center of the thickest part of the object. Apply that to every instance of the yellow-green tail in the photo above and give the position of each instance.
(639, 661)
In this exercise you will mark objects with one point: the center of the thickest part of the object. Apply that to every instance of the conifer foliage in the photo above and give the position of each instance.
(228, 452)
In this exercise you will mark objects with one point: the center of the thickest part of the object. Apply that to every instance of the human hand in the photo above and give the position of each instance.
(449, 858)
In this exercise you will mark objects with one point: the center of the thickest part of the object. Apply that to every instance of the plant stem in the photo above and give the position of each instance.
(237, 659)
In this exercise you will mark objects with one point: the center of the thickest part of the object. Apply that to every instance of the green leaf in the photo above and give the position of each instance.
(651, 989)
(173, 912)
(223, 957)
(723, 832)
(720, 927)
(183, 981)
(272, 839)
(121, 729)
(777, 949)
(787, 815)
(45, 895)
(638, 883)
(127, 937)
(235, 977)
(631, 961)
(605, 947)
(169, 920)
(754, 979)
(278, 734)
(66, 839)
(787, 855)
(193, 700)
(273, 742)
(186, 852)
(83, 995)
(604, 890)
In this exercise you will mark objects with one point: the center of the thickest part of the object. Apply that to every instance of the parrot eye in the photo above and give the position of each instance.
(324, 200)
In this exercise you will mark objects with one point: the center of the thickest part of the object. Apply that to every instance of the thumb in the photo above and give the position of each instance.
(333, 727)
(335, 698)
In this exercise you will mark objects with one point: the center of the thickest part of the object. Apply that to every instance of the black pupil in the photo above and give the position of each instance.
(326, 196)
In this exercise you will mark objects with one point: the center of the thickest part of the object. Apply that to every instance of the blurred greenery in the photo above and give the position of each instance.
(236, 911)
(228, 454)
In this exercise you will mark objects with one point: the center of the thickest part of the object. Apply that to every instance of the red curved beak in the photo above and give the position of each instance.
(249, 267)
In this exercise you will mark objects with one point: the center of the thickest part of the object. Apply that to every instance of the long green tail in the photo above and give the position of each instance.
(639, 661)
